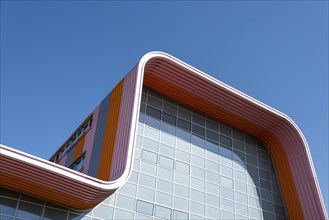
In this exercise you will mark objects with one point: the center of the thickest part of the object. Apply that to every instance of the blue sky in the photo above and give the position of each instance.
(60, 59)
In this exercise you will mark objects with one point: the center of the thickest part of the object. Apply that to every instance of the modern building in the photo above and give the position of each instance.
(169, 142)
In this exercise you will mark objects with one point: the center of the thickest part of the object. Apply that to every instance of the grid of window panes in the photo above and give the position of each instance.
(187, 166)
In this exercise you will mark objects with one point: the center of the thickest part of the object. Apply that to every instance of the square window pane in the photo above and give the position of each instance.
(125, 202)
(181, 191)
(144, 207)
(162, 212)
(166, 161)
(181, 203)
(164, 186)
(145, 194)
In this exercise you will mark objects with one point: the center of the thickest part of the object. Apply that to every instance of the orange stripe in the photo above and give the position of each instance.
(79, 148)
(110, 133)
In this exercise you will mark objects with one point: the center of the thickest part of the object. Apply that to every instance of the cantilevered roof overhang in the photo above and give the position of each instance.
(198, 90)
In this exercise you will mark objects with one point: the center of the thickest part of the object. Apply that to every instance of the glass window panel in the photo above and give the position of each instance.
(267, 195)
(144, 207)
(125, 202)
(166, 161)
(182, 134)
(225, 140)
(237, 145)
(139, 141)
(8, 206)
(226, 130)
(162, 212)
(212, 135)
(178, 215)
(170, 119)
(28, 210)
(183, 167)
(136, 165)
(212, 177)
(123, 214)
(197, 146)
(239, 175)
(241, 209)
(181, 203)
(137, 152)
(198, 119)
(168, 129)
(197, 196)
(150, 144)
(165, 174)
(240, 186)
(163, 199)
(152, 123)
(152, 133)
(197, 208)
(212, 212)
(50, 213)
(227, 171)
(142, 217)
(263, 164)
(212, 166)
(167, 150)
(183, 144)
(253, 201)
(238, 135)
(196, 129)
(153, 112)
(181, 191)
(250, 140)
(227, 204)
(227, 182)
(149, 156)
(146, 180)
(241, 197)
(279, 210)
(103, 211)
(265, 184)
(168, 108)
(267, 206)
(145, 194)
(197, 161)
(255, 213)
(133, 177)
(251, 160)
(227, 215)
(168, 139)
(183, 156)
(197, 184)
(184, 114)
(226, 193)
(197, 172)
(212, 188)
(212, 200)
(128, 189)
(148, 168)
(164, 186)
(184, 124)
(154, 102)
(182, 179)
(210, 124)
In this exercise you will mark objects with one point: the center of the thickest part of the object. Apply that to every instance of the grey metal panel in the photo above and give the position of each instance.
(70, 156)
(99, 137)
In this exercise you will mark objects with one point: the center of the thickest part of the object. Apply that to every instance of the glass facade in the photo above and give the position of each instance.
(186, 166)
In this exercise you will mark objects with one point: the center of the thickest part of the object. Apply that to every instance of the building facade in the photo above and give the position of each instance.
(169, 142)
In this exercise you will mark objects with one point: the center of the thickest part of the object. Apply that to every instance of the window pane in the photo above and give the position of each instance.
(162, 212)
(144, 207)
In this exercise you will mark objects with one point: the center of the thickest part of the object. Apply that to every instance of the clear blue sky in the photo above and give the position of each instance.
(60, 59)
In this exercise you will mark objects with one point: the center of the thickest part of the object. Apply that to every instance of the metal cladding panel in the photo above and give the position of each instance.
(119, 160)
(99, 137)
(191, 87)
(70, 156)
(110, 133)
(89, 140)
